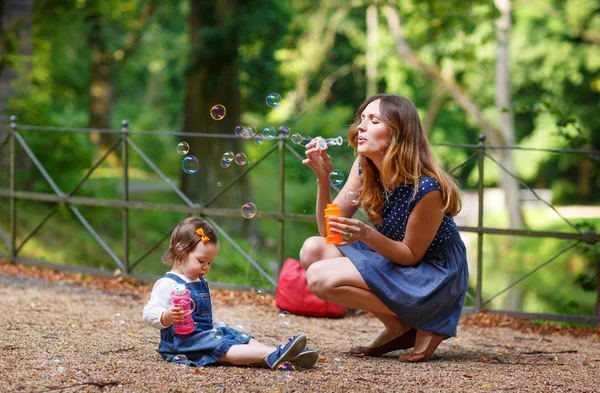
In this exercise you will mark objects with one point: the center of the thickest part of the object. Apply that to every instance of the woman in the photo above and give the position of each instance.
(410, 270)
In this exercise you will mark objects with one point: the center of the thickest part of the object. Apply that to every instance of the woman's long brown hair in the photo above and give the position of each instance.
(407, 157)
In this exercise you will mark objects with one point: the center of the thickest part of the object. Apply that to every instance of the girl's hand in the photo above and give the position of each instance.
(318, 160)
(352, 230)
(172, 315)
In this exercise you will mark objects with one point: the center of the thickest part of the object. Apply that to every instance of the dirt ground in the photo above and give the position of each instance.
(62, 336)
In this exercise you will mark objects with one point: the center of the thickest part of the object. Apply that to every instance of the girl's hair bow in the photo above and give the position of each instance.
(200, 232)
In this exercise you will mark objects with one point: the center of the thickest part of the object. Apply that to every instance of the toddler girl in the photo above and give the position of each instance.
(193, 248)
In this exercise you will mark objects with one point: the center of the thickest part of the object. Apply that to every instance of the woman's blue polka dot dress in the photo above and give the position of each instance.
(429, 295)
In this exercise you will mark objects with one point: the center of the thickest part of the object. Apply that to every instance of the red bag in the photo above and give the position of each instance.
(294, 295)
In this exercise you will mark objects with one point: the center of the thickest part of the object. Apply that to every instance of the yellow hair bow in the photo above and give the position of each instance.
(200, 232)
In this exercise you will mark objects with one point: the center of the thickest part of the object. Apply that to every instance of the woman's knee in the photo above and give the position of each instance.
(318, 279)
(311, 251)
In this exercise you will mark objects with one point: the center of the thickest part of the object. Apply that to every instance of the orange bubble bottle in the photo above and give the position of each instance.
(332, 237)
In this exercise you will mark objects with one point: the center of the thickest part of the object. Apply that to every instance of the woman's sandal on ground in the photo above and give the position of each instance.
(414, 357)
(405, 341)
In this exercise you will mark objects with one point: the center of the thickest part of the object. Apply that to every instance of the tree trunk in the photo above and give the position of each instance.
(506, 118)
(213, 80)
(101, 88)
(15, 38)
(371, 55)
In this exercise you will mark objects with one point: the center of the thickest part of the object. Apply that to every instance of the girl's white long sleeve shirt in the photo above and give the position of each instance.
(160, 301)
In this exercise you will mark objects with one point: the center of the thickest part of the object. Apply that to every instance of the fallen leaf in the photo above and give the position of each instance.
(467, 376)
(484, 358)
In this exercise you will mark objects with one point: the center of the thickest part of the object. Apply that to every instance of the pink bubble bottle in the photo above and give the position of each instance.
(181, 298)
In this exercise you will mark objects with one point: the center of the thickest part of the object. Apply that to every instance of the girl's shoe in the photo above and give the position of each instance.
(414, 357)
(405, 341)
(305, 359)
(288, 352)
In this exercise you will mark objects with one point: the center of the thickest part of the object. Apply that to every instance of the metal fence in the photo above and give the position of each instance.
(68, 199)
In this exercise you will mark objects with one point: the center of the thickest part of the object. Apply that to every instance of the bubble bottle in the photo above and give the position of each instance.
(181, 298)
(332, 237)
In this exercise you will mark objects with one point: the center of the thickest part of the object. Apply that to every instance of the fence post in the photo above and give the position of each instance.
(480, 156)
(125, 162)
(280, 221)
(13, 199)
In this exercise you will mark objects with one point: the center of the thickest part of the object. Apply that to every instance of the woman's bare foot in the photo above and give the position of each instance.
(394, 328)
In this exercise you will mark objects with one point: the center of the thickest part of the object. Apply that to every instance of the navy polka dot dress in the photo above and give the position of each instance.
(429, 295)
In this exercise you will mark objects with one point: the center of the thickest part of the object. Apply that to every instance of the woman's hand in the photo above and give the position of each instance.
(352, 230)
(172, 315)
(318, 160)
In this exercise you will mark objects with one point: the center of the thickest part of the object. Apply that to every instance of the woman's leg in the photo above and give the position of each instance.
(250, 353)
(338, 281)
(316, 249)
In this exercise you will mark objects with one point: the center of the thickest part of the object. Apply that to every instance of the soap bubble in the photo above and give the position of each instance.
(240, 159)
(273, 100)
(261, 294)
(284, 318)
(190, 165)
(352, 197)
(284, 131)
(216, 333)
(286, 366)
(217, 112)
(183, 148)
(228, 155)
(248, 210)
(218, 184)
(336, 177)
(258, 139)
(296, 138)
(239, 130)
(119, 320)
(225, 163)
(180, 361)
(251, 131)
(269, 132)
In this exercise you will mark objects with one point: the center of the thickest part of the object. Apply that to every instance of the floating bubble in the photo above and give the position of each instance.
(239, 130)
(119, 320)
(288, 376)
(269, 132)
(336, 177)
(286, 366)
(284, 131)
(296, 138)
(225, 163)
(61, 370)
(183, 148)
(261, 294)
(217, 112)
(180, 361)
(248, 210)
(216, 333)
(251, 131)
(58, 360)
(284, 318)
(273, 100)
(240, 159)
(258, 139)
(322, 144)
(218, 184)
(352, 197)
(190, 165)
(228, 155)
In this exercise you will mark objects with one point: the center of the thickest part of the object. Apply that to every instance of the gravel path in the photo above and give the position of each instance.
(63, 337)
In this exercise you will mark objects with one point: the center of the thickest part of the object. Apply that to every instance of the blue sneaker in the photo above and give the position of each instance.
(305, 359)
(289, 351)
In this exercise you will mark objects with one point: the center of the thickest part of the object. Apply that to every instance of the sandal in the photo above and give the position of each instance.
(405, 341)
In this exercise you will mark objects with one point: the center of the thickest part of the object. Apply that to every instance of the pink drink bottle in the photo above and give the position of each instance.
(181, 298)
